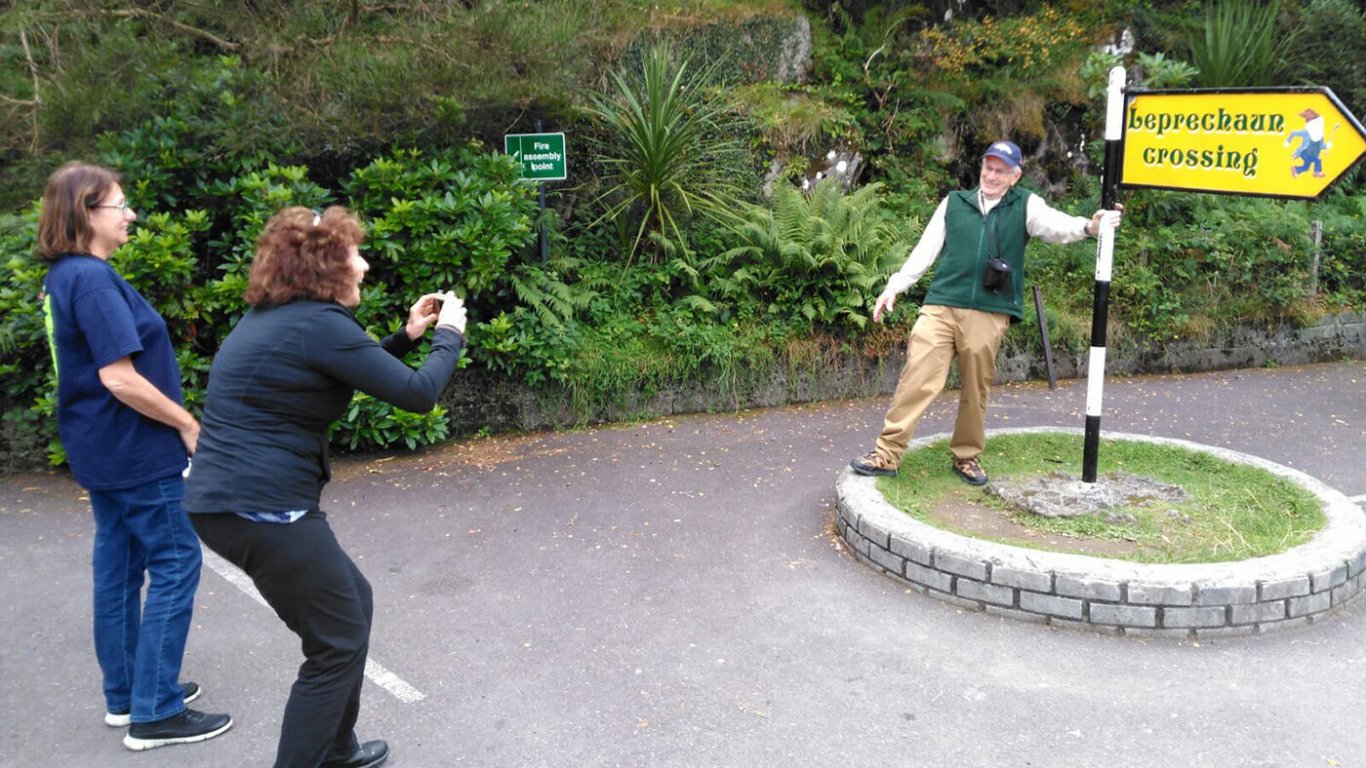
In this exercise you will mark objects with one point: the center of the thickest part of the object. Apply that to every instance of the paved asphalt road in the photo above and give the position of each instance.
(670, 594)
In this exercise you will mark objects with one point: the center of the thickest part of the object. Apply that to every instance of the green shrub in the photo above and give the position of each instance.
(1157, 70)
(26, 427)
(451, 221)
(247, 200)
(371, 424)
(203, 129)
(520, 344)
(1342, 262)
(159, 259)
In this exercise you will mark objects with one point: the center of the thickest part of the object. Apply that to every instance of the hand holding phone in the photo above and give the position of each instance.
(423, 314)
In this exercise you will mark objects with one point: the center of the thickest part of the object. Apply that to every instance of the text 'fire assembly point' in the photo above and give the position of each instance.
(542, 155)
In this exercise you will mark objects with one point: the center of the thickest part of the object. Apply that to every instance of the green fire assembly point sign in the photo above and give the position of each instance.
(541, 154)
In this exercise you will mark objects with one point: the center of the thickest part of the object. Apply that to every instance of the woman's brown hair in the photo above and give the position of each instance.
(64, 223)
(304, 255)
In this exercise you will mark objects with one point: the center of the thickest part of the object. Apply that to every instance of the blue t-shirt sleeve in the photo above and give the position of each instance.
(102, 313)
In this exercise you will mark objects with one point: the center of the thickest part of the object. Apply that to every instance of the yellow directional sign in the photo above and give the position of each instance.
(1274, 142)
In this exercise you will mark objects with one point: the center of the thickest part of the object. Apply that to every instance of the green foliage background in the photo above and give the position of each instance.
(218, 113)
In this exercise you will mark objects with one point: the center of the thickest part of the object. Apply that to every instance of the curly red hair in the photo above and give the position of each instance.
(302, 255)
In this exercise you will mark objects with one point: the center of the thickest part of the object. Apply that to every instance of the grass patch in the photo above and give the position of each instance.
(1235, 511)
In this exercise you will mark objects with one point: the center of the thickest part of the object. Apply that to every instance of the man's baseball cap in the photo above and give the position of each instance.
(1007, 151)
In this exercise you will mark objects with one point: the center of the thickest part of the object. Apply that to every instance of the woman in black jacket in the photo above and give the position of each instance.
(284, 374)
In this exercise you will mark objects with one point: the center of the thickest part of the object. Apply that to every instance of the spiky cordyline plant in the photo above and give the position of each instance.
(672, 152)
(1238, 45)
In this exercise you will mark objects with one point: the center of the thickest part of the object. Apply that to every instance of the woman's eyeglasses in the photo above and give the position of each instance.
(122, 206)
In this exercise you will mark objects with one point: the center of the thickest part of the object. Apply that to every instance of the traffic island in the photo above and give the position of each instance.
(1288, 589)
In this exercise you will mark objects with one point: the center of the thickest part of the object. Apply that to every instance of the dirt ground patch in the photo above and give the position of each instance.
(963, 515)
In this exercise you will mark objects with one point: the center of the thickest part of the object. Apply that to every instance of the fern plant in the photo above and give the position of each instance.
(552, 300)
(817, 259)
(537, 338)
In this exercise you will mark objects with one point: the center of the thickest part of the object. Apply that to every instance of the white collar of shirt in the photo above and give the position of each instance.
(987, 204)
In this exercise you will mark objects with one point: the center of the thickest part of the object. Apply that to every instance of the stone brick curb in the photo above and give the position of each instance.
(1289, 589)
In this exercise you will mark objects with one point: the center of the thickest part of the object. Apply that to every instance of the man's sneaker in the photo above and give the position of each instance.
(185, 728)
(122, 719)
(874, 465)
(970, 470)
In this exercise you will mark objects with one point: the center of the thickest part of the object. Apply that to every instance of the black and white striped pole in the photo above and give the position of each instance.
(1105, 253)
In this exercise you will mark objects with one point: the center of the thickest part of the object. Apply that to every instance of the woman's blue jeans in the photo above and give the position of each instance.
(143, 530)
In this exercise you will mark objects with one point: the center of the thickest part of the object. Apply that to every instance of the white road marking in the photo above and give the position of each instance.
(378, 674)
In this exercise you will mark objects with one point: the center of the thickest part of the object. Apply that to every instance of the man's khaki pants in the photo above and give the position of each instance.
(939, 334)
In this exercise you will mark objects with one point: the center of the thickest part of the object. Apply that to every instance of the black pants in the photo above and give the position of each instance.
(321, 595)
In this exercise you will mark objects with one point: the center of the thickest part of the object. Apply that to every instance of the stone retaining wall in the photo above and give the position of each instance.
(478, 399)
(1289, 589)
(1333, 337)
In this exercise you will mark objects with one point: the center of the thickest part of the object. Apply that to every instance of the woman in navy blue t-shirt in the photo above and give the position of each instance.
(126, 437)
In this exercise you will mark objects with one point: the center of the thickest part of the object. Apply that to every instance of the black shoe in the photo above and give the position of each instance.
(122, 719)
(185, 728)
(368, 755)
(873, 464)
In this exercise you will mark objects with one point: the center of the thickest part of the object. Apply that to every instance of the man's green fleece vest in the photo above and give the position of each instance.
(970, 239)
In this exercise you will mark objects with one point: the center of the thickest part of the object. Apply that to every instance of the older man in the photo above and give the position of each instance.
(978, 237)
